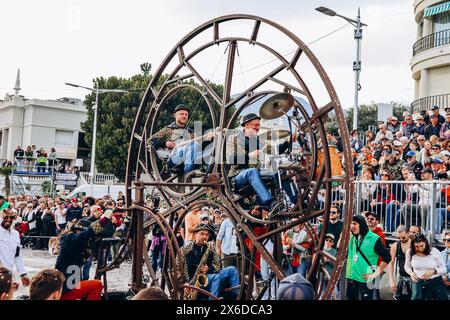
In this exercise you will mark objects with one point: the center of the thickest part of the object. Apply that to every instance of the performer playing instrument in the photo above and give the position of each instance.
(243, 155)
(199, 259)
(175, 143)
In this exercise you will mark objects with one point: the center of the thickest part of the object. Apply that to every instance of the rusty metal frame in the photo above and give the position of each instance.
(156, 94)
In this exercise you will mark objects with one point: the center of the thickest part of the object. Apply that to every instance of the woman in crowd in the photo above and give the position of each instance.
(295, 248)
(426, 267)
(426, 153)
(48, 223)
(383, 195)
(367, 188)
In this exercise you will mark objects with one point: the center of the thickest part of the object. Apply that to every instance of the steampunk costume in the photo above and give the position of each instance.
(172, 132)
(245, 170)
(191, 154)
(192, 257)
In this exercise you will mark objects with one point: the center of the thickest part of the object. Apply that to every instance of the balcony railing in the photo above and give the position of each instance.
(431, 41)
(426, 103)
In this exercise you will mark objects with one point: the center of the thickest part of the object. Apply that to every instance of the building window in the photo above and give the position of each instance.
(442, 21)
(63, 138)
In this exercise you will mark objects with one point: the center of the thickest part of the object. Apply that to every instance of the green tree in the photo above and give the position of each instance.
(117, 111)
(368, 115)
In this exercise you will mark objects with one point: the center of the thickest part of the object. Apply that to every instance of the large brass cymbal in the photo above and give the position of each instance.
(276, 106)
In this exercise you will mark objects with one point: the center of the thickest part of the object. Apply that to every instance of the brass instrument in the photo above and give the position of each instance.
(201, 280)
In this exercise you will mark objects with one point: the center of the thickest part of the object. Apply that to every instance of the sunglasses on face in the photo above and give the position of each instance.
(333, 212)
(447, 239)
(384, 175)
(370, 219)
(9, 217)
(434, 148)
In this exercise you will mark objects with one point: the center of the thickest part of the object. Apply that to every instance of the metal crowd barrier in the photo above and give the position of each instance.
(422, 203)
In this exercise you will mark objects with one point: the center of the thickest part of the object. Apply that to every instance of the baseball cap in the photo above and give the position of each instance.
(435, 107)
(373, 214)
(410, 154)
(445, 153)
(397, 143)
(436, 160)
(427, 170)
(203, 216)
(394, 118)
(330, 235)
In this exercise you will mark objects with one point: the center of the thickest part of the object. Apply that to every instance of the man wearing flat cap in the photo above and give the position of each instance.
(434, 128)
(171, 143)
(243, 153)
(200, 258)
(436, 113)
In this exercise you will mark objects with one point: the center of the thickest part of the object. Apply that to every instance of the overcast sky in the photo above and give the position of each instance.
(54, 42)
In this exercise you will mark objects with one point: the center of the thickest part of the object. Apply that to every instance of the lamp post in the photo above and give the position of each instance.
(94, 130)
(356, 64)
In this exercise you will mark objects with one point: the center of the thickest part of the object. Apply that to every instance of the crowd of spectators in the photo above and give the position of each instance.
(412, 149)
(33, 160)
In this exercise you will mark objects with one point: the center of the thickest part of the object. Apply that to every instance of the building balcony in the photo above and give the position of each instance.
(433, 40)
(426, 103)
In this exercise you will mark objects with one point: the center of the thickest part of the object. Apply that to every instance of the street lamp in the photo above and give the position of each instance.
(94, 131)
(356, 64)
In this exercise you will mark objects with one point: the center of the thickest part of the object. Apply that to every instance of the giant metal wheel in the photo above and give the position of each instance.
(177, 73)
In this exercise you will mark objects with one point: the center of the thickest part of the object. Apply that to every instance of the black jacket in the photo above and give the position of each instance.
(72, 254)
(431, 130)
(74, 213)
(190, 257)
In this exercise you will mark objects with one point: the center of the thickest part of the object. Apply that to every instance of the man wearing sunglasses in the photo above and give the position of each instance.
(334, 225)
(402, 290)
(10, 246)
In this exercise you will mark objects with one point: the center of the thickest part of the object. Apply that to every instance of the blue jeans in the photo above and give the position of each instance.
(252, 176)
(265, 274)
(392, 220)
(86, 268)
(441, 214)
(226, 278)
(157, 254)
(301, 268)
(191, 155)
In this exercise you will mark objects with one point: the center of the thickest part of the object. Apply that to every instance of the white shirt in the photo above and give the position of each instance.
(227, 234)
(420, 265)
(59, 217)
(9, 246)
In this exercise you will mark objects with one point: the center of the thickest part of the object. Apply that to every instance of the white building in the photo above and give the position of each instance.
(44, 123)
(430, 64)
